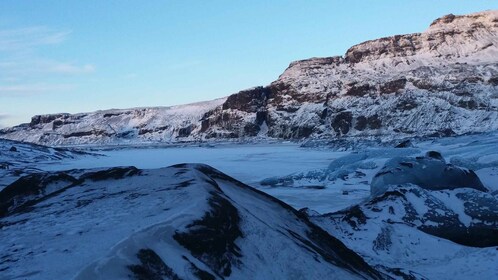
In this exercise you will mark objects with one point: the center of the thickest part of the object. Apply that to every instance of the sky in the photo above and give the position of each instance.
(81, 56)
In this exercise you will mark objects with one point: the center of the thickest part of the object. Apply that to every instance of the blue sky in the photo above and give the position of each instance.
(78, 56)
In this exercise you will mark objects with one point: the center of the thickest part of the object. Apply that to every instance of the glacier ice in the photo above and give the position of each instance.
(429, 172)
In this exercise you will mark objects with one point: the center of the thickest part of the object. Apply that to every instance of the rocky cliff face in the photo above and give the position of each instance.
(441, 82)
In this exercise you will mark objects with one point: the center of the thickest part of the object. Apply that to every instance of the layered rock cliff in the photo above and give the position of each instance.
(441, 82)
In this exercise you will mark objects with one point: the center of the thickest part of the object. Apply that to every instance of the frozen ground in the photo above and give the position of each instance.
(324, 179)
(352, 170)
(247, 163)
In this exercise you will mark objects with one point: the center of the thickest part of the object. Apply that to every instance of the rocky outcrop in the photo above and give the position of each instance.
(443, 81)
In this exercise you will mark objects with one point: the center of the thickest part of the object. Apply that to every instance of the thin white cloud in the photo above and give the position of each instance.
(24, 71)
(23, 66)
(22, 39)
(28, 89)
(67, 68)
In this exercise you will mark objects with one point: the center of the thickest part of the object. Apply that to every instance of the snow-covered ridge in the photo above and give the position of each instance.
(114, 125)
(186, 221)
(448, 36)
(18, 159)
(417, 204)
(441, 82)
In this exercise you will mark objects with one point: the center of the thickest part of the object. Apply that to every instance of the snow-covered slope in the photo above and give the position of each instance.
(138, 125)
(422, 231)
(181, 222)
(444, 230)
(440, 82)
(18, 159)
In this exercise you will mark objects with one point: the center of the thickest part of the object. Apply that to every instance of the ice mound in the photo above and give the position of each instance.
(429, 172)
(352, 164)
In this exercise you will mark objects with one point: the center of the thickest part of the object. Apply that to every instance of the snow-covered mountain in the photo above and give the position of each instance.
(443, 81)
(113, 126)
(182, 222)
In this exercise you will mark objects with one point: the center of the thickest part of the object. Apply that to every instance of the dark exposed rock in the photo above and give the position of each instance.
(222, 135)
(405, 275)
(358, 90)
(13, 149)
(248, 100)
(316, 240)
(316, 62)
(57, 124)
(185, 131)
(199, 273)
(204, 125)
(406, 104)
(289, 109)
(324, 114)
(472, 80)
(435, 155)
(405, 144)
(443, 133)
(426, 84)
(397, 45)
(302, 131)
(440, 218)
(28, 190)
(361, 123)
(445, 223)
(142, 131)
(4, 165)
(261, 117)
(251, 129)
(111, 173)
(383, 240)
(342, 122)
(468, 104)
(393, 86)
(444, 19)
(354, 216)
(374, 122)
(108, 115)
(125, 134)
(212, 238)
(43, 119)
(493, 81)
(87, 133)
(151, 267)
